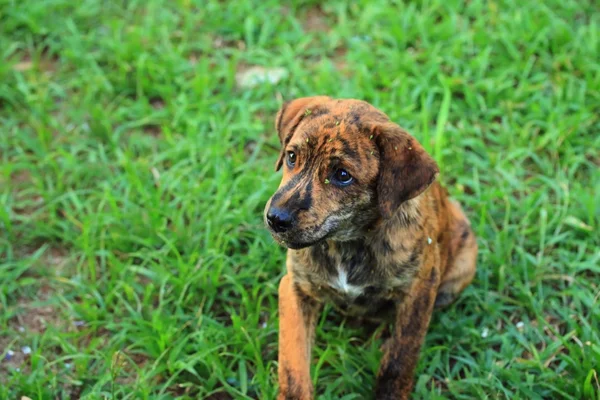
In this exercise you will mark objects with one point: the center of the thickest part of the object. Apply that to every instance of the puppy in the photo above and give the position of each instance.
(367, 229)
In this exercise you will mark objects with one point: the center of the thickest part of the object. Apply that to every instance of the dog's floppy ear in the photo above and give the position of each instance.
(289, 117)
(406, 169)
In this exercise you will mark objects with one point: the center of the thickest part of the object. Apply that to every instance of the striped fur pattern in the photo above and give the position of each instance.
(387, 245)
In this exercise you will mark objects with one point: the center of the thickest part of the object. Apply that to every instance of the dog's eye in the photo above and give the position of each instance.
(291, 158)
(343, 177)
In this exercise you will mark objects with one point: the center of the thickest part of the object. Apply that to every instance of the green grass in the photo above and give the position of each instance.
(133, 175)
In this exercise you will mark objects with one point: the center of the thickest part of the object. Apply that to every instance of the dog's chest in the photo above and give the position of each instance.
(356, 298)
(353, 277)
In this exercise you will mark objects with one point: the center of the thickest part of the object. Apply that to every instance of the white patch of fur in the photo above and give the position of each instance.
(340, 282)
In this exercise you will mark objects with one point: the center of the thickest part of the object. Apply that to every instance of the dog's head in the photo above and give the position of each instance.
(345, 165)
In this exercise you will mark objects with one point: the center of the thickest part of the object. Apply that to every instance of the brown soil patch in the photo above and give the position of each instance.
(315, 20)
(32, 317)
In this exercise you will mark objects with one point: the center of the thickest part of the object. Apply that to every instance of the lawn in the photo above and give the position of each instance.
(134, 170)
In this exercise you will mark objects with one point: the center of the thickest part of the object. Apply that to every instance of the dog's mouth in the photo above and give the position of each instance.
(301, 239)
(300, 245)
(296, 244)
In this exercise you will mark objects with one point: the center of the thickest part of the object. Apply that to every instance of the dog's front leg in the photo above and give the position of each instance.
(401, 352)
(297, 315)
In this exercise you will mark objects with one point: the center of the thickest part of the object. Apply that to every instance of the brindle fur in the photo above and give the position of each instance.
(391, 244)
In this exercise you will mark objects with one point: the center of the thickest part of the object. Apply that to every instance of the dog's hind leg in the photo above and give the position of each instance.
(462, 264)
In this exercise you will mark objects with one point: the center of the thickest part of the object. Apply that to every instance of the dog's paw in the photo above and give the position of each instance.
(444, 299)
(292, 396)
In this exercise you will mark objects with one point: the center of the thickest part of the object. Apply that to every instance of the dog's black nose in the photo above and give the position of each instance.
(279, 220)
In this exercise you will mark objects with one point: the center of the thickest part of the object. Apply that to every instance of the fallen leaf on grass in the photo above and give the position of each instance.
(255, 76)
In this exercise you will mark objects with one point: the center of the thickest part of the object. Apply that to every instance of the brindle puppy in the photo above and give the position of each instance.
(367, 229)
